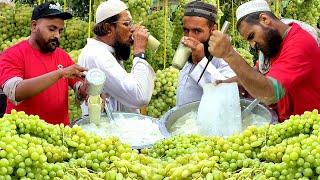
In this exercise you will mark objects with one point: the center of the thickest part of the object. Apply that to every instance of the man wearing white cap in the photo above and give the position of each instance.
(290, 53)
(115, 35)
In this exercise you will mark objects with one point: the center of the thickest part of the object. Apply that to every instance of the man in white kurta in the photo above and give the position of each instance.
(126, 92)
(198, 21)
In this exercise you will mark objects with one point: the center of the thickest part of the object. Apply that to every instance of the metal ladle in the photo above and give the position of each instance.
(247, 111)
(108, 111)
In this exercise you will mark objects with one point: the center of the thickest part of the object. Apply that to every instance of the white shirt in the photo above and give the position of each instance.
(127, 91)
(188, 90)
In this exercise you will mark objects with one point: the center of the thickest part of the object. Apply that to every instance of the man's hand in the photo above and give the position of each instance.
(229, 80)
(83, 90)
(72, 71)
(220, 45)
(140, 36)
(196, 47)
(103, 96)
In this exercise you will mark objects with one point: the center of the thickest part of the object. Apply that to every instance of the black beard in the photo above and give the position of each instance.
(122, 51)
(47, 47)
(206, 52)
(272, 44)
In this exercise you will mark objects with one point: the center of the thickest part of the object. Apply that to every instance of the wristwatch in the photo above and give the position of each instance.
(141, 55)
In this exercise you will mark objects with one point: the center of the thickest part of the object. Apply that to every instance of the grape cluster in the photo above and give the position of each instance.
(74, 54)
(73, 105)
(33, 149)
(309, 13)
(177, 23)
(164, 95)
(246, 56)
(7, 44)
(6, 22)
(139, 9)
(75, 35)
(159, 24)
(22, 19)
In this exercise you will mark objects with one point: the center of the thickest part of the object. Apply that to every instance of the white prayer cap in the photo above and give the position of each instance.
(251, 7)
(109, 8)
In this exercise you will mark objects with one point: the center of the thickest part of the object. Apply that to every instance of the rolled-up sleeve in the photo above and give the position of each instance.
(11, 72)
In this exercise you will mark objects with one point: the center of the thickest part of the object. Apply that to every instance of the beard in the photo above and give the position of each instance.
(122, 51)
(47, 46)
(272, 44)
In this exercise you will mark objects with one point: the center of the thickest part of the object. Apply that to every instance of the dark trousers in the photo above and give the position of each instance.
(3, 104)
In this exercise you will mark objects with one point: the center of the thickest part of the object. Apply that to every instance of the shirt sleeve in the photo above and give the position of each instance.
(132, 89)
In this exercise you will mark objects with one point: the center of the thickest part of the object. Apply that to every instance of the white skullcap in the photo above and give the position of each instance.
(109, 8)
(251, 7)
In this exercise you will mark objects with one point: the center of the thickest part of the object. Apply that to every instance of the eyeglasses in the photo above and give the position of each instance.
(128, 23)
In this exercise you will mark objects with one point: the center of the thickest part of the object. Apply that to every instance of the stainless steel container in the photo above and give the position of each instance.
(170, 117)
(85, 120)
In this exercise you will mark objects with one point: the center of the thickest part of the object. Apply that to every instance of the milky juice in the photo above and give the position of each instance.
(153, 43)
(181, 56)
(96, 79)
(94, 108)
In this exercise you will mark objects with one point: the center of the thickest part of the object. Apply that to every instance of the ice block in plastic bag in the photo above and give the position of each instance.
(219, 111)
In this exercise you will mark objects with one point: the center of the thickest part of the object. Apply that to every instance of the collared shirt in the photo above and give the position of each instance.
(189, 90)
(127, 91)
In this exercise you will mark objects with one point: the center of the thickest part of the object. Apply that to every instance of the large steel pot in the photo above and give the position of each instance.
(170, 117)
(85, 120)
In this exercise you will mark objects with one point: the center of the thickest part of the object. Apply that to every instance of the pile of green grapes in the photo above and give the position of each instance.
(7, 44)
(75, 35)
(73, 105)
(246, 55)
(6, 22)
(139, 9)
(74, 54)
(289, 150)
(22, 19)
(161, 28)
(33, 149)
(309, 12)
(177, 23)
(164, 95)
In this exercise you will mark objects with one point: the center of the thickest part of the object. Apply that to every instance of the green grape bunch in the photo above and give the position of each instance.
(7, 44)
(74, 54)
(139, 9)
(6, 22)
(164, 95)
(309, 13)
(158, 25)
(22, 20)
(246, 56)
(30, 148)
(74, 106)
(74, 36)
